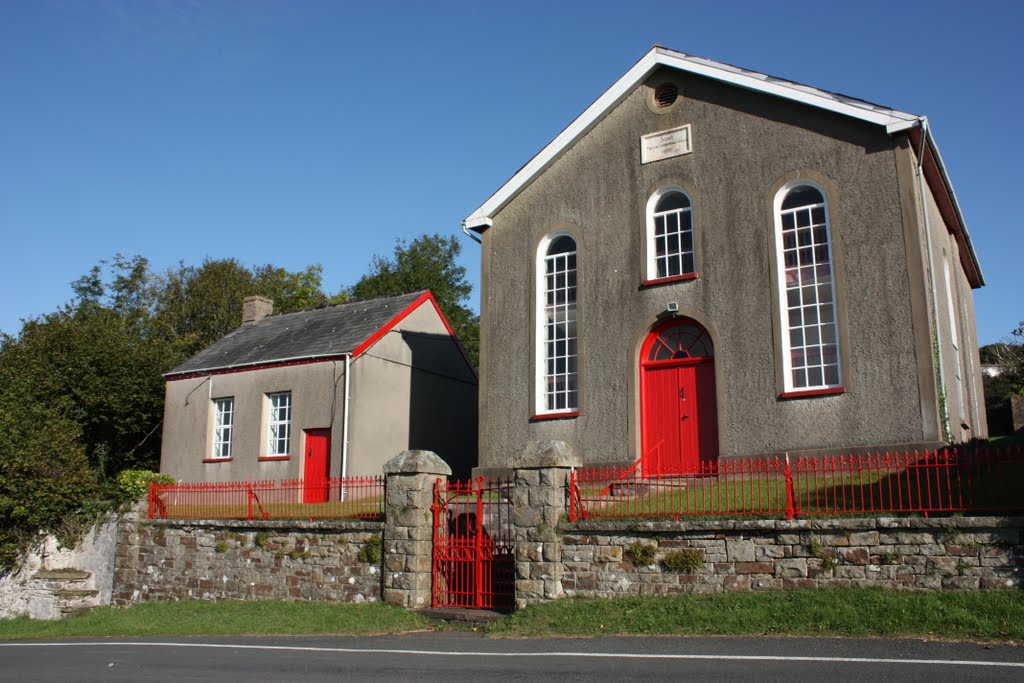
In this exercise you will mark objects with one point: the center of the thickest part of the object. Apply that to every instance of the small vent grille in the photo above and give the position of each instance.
(665, 95)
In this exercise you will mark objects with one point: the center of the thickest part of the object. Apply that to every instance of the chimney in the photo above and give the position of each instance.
(256, 308)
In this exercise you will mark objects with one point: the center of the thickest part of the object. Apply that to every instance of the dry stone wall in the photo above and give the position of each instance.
(634, 557)
(239, 560)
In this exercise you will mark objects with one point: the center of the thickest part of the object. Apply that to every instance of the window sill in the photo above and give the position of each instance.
(212, 460)
(554, 416)
(274, 458)
(667, 280)
(811, 393)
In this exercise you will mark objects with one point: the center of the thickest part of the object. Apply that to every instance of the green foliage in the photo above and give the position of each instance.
(134, 484)
(45, 479)
(196, 306)
(828, 558)
(221, 547)
(642, 553)
(687, 561)
(93, 369)
(372, 551)
(81, 388)
(1009, 357)
(261, 541)
(428, 262)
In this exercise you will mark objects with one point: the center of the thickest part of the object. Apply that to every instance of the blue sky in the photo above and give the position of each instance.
(320, 132)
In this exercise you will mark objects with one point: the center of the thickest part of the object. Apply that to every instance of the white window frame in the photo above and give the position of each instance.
(223, 427)
(805, 328)
(277, 422)
(652, 249)
(549, 316)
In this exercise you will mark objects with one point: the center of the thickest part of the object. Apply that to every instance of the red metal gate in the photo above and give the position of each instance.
(474, 562)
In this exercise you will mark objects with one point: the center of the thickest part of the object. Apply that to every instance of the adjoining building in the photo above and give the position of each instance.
(335, 391)
(712, 262)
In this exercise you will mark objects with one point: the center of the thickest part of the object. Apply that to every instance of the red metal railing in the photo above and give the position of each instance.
(349, 497)
(951, 480)
(473, 558)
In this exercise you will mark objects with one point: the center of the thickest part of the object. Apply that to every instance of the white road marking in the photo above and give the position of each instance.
(583, 655)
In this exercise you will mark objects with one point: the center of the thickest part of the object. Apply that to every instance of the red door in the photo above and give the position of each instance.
(317, 465)
(678, 410)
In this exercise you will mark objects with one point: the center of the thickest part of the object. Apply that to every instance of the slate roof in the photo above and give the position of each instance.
(323, 332)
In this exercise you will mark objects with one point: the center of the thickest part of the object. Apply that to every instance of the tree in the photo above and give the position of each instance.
(97, 363)
(196, 306)
(97, 368)
(44, 477)
(1008, 356)
(428, 262)
(81, 389)
(44, 474)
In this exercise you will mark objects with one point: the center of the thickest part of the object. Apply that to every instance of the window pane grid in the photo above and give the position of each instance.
(560, 377)
(224, 419)
(673, 242)
(809, 298)
(280, 423)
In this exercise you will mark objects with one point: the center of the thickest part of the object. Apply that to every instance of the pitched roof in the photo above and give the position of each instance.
(321, 333)
(893, 120)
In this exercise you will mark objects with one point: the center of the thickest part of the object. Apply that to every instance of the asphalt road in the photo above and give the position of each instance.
(464, 656)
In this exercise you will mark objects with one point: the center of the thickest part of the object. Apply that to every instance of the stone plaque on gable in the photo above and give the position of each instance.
(665, 144)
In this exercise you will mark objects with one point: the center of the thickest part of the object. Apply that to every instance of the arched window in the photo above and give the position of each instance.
(558, 346)
(810, 338)
(682, 339)
(670, 250)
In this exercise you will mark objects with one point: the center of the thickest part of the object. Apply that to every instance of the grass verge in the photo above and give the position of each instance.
(988, 615)
(228, 618)
(984, 616)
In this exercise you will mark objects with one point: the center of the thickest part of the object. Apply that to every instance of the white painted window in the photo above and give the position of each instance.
(557, 343)
(669, 234)
(223, 427)
(810, 336)
(279, 424)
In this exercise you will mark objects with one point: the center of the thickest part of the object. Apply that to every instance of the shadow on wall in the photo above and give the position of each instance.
(442, 401)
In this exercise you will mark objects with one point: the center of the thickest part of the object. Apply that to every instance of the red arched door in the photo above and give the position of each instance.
(679, 420)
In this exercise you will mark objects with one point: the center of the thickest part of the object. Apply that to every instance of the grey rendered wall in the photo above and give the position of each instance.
(745, 146)
(970, 411)
(188, 421)
(412, 390)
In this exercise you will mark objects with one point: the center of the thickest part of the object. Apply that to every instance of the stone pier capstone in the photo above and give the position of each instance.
(541, 475)
(408, 530)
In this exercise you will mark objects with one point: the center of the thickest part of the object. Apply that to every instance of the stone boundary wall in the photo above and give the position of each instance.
(894, 553)
(241, 560)
(28, 592)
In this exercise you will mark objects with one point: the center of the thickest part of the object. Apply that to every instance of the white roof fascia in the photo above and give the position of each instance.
(897, 126)
(892, 119)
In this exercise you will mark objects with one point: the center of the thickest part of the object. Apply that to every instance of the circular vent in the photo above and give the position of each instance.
(665, 95)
